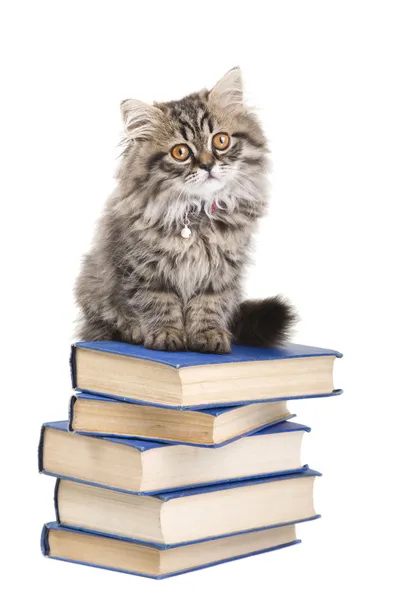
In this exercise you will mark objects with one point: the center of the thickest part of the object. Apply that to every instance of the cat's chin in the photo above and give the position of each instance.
(209, 187)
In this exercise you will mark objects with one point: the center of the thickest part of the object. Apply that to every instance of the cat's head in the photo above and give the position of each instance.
(191, 154)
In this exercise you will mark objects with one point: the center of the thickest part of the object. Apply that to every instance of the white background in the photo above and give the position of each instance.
(325, 76)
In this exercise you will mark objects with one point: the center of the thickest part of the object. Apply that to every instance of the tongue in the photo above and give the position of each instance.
(214, 207)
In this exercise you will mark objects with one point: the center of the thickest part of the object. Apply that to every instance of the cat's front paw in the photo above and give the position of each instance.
(213, 341)
(132, 334)
(170, 339)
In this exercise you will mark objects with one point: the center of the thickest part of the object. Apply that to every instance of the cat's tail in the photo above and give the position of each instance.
(264, 323)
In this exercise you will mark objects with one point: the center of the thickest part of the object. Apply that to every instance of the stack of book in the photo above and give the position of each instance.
(171, 462)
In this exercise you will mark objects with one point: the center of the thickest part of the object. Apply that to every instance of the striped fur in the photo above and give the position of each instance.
(142, 282)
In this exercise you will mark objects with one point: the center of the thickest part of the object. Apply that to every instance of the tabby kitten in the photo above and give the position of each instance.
(167, 260)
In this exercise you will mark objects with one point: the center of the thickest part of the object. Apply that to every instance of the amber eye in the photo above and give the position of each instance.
(181, 152)
(221, 141)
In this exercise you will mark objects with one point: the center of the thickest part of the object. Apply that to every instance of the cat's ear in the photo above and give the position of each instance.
(228, 92)
(140, 119)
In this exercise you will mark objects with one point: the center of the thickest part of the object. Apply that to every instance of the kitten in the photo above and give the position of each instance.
(167, 261)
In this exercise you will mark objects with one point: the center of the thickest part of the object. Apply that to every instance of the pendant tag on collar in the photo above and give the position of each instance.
(186, 232)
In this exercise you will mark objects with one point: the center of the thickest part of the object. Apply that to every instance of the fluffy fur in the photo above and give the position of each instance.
(142, 282)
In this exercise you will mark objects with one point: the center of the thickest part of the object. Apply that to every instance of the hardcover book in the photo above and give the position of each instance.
(192, 380)
(145, 467)
(142, 559)
(189, 515)
(211, 427)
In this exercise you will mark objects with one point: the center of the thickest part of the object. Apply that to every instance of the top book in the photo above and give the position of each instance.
(184, 380)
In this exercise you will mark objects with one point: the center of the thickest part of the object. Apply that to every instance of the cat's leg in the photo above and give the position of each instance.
(161, 319)
(94, 329)
(207, 321)
(104, 322)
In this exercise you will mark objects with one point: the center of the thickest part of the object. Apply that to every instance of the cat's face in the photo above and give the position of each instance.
(197, 151)
(203, 157)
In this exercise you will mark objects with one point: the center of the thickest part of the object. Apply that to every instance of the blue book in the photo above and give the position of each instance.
(146, 467)
(210, 427)
(135, 558)
(190, 380)
(187, 516)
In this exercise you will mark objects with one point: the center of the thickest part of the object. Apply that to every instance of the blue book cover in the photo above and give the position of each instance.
(179, 360)
(194, 491)
(141, 445)
(215, 412)
(165, 497)
(182, 360)
(46, 551)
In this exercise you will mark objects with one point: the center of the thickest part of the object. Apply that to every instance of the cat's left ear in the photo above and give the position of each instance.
(140, 119)
(228, 92)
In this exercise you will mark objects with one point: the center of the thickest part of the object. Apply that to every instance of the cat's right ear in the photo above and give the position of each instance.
(228, 91)
(140, 119)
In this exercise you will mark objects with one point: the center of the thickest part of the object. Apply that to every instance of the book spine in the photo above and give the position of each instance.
(72, 366)
(71, 413)
(44, 541)
(40, 449)
(56, 488)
